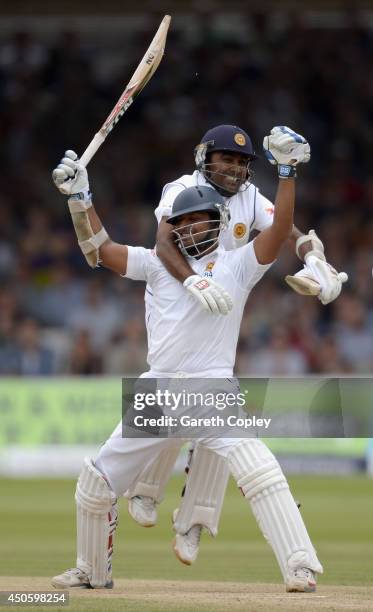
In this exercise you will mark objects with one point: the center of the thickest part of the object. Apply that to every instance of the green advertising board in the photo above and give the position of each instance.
(84, 411)
(34, 412)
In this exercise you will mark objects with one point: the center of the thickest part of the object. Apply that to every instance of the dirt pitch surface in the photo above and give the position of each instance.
(188, 595)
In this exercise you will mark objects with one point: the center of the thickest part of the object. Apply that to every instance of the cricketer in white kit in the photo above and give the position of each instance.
(179, 325)
(223, 160)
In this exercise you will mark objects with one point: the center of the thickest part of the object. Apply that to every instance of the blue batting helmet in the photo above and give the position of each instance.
(228, 138)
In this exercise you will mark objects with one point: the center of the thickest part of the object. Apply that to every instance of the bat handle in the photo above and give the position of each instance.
(92, 148)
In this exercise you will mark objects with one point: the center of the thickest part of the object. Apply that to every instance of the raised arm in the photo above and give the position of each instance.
(286, 149)
(71, 179)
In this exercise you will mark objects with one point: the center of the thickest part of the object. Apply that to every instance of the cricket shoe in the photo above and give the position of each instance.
(186, 546)
(143, 510)
(301, 580)
(75, 578)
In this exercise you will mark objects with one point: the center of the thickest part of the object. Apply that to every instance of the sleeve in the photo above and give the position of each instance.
(139, 263)
(248, 270)
(263, 212)
(169, 193)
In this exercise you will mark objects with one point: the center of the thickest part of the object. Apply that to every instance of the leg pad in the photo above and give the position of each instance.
(97, 519)
(204, 493)
(259, 475)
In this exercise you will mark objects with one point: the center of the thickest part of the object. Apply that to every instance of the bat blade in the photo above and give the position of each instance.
(139, 79)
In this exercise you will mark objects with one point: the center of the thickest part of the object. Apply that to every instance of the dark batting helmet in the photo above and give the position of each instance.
(232, 139)
(199, 199)
(196, 199)
(228, 138)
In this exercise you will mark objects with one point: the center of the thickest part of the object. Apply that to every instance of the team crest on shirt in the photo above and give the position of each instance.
(208, 269)
(240, 139)
(239, 230)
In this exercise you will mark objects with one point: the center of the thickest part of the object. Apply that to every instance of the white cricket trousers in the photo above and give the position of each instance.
(121, 460)
(256, 471)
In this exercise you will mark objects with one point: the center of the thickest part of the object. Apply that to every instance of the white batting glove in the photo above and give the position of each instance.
(329, 279)
(285, 148)
(211, 296)
(70, 177)
(318, 278)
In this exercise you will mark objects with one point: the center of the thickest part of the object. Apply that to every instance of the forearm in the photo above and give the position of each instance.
(169, 254)
(295, 234)
(93, 239)
(111, 254)
(94, 220)
(284, 209)
(269, 242)
(306, 247)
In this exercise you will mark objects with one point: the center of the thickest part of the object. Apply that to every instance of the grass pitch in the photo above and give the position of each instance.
(37, 540)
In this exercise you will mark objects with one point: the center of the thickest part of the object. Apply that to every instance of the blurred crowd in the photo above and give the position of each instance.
(57, 316)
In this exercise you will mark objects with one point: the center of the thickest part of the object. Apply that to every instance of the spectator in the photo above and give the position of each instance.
(33, 358)
(83, 359)
(262, 58)
(279, 358)
(99, 315)
(354, 334)
(127, 353)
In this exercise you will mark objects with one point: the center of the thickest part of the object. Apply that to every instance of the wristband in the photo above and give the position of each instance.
(83, 196)
(285, 171)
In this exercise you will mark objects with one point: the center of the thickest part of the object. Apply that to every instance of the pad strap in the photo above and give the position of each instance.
(78, 205)
(264, 485)
(94, 243)
(88, 241)
(204, 494)
(97, 519)
(317, 245)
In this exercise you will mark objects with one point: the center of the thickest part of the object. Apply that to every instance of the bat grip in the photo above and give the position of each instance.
(92, 148)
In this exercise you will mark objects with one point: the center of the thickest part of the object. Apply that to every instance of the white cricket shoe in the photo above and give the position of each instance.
(143, 510)
(186, 546)
(75, 577)
(301, 580)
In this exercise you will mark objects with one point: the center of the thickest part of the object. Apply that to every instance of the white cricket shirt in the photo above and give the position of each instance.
(249, 209)
(182, 337)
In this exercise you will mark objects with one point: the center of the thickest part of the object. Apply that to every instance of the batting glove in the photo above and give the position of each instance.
(318, 278)
(285, 148)
(211, 296)
(70, 177)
